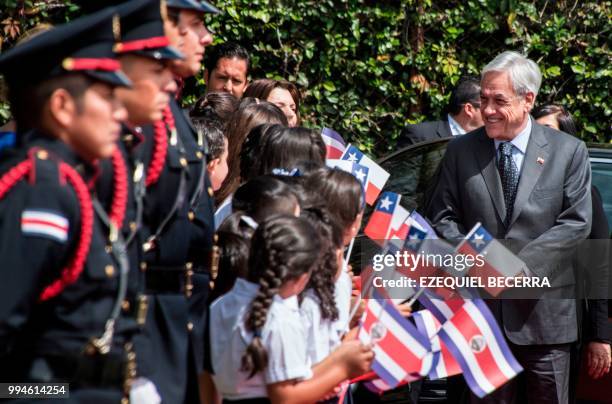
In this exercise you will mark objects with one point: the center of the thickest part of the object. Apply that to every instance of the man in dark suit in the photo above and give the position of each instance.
(463, 116)
(530, 184)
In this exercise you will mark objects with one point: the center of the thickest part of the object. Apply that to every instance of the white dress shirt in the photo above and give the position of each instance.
(322, 335)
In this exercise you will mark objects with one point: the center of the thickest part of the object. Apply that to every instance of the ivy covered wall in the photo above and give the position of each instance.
(369, 67)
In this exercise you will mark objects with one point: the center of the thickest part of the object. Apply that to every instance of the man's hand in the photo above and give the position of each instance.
(598, 359)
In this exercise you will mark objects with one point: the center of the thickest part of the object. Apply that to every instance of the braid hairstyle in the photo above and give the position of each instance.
(283, 248)
(234, 243)
(323, 278)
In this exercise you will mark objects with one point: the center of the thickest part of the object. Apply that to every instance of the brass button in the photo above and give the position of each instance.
(109, 270)
(191, 215)
(133, 226)
(42, 154)
(108, 249)
(125, 305)
(199, 154)
(210, 192)
(215, 237)
(189, 266)
(183, 162)
(143, 266)
(190, 326)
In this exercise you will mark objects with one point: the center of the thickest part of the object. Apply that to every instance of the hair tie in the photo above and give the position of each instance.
(281, 171)
(257, 333)
(249, 221)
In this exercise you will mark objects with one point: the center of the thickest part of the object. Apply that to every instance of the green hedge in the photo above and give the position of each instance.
(367, 68)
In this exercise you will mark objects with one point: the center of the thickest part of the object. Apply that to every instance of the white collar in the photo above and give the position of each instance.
(521, 140)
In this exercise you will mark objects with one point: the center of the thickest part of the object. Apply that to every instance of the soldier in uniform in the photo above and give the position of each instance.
(145, 55)
(178, 222)
(64, 263)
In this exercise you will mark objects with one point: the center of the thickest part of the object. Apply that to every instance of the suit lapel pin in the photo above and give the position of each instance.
(540, 161)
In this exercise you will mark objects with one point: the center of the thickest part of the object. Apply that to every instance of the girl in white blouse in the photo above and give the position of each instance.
(257, 339)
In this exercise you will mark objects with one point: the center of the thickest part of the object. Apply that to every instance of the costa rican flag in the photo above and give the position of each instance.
(378, 176)
(399, 348)
(476, 342)
(223, 211)
(442, 309)
(498, 260)
(388, 222)
(379, 386)
(45, 224)
(443, 363)
(360, 172)
(334, 143)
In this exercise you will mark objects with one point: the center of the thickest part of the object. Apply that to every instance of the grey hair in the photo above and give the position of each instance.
(524, 73)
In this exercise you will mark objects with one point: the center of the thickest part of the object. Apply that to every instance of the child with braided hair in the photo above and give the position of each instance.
(318, 307)
(258, 341)
(345, 200)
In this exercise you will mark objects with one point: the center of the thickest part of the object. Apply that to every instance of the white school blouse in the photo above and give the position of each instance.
(322, 335)
(283, 336)
(342, 295)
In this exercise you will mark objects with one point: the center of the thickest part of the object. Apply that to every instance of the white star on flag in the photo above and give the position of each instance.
(352, 157)
(385, 203)
(360, 175)
(478, 239)
(414, 240)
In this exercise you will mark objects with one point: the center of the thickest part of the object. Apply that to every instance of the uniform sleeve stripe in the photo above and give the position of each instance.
(44, 224)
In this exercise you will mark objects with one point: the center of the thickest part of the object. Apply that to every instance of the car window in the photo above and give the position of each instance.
(602, 178)
(412, 174)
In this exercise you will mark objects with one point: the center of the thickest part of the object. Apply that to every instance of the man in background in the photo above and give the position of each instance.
(227, 69)
(463, 116)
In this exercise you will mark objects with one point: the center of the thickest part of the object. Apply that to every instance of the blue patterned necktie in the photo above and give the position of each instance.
(509, 174)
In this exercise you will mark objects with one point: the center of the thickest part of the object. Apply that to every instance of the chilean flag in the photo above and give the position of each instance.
(443, 363)
(498, 260)
(476, 342)
(388, 222)
(399, 348)
(378, 176)
(334, 143)
(360, 172)
(422, 245)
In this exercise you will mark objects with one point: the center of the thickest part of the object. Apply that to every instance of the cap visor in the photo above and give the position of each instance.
(209, 8)
(164, 53)
(117, 79)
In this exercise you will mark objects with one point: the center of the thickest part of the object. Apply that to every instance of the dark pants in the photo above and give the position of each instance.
(545, 378)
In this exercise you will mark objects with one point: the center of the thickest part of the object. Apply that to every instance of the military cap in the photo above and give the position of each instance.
(142, 30)
(84, 45)
(196, 5)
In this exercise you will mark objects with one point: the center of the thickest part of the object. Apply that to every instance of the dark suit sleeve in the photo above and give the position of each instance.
(554, 248)
(408, 137)
(445, 204)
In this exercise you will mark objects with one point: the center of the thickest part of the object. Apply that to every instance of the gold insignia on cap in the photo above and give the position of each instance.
(68, 64)
(163, 10)
(117, 47)
(116, 28)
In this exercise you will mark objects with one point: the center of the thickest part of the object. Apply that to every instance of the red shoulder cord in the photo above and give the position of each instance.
(160, 148)
(120, 190)
(74, 268)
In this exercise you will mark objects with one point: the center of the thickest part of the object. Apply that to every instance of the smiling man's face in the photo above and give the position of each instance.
(504, 112)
